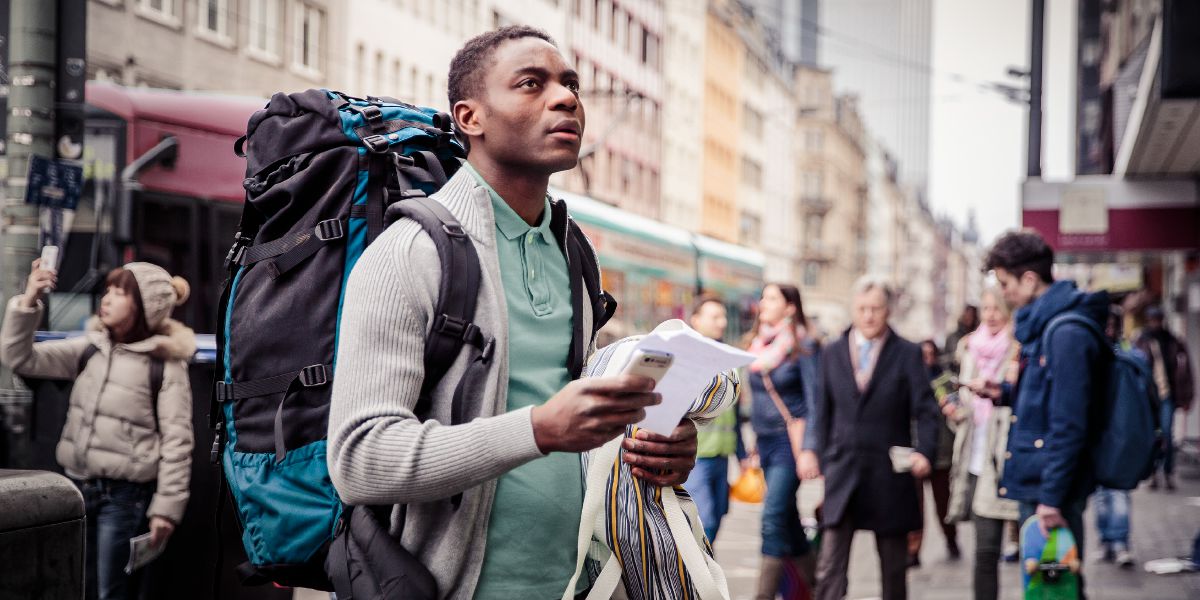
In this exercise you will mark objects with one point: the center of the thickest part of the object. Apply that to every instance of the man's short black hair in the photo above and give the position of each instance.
(1021, 251)
(468, 66)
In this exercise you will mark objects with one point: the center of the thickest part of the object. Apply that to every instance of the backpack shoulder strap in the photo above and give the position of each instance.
(157, 366)
(454, 315)
(584, 271)
(1078, 319)
(87, 355)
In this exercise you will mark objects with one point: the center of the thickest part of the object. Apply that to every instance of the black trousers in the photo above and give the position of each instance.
(834, 561)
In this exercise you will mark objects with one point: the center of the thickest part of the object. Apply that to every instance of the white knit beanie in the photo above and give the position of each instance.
(161, 293)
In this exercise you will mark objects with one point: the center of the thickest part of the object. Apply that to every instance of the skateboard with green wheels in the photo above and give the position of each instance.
(1051, 563)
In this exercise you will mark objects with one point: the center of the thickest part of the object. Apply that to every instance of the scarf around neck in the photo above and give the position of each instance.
(772, 345)
(989, 350)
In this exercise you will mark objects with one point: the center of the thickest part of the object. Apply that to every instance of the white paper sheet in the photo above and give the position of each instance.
(697, 360)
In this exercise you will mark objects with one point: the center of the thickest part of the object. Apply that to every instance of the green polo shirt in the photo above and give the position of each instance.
(535, 516)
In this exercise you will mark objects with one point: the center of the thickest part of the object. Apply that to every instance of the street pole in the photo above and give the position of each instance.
(1036, 35)
(29, 131)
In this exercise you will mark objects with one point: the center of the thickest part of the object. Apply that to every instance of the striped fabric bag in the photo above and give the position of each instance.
(638, 541)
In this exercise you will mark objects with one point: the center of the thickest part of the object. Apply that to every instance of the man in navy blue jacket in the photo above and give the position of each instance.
(1047, 469)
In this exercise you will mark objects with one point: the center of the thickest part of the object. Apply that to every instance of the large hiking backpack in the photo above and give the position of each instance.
(321, 170)
(1127, 436)
(326, 173)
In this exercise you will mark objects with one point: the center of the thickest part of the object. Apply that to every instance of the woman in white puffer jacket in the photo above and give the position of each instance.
(126, 445)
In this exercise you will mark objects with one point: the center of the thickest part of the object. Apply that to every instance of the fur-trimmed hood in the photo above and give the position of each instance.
(172, 341)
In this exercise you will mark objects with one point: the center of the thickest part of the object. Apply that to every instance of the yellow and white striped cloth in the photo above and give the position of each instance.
(636, 540)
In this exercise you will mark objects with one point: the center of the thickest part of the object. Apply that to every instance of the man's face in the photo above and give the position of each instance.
(528, 115)
(870, 313)
(710, 320)
(1018, 290)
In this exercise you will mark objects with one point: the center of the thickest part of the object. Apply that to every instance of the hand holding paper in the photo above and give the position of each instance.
(697, 360)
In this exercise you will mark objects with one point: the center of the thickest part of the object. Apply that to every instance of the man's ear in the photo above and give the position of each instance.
(468, 117)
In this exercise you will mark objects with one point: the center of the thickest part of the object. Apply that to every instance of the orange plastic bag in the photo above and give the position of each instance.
(750, 487)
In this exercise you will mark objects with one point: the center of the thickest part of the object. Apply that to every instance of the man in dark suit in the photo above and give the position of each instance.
(874, 389)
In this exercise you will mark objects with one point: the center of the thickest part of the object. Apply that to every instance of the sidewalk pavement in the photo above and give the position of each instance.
(1163, 525)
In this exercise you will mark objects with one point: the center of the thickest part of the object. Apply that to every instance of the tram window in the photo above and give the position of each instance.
(167, 233)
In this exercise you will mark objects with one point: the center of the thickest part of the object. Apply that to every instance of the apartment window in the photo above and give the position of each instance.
(166, 12)
(378, 84)
(751, 228)
(306, 53)
(213, 18)
(752, 121)
(812, 274)
(265, 21)
(618, 26)
(751, 173)
(814, 139)
(394, 88)
(360, 69)
(649, 49)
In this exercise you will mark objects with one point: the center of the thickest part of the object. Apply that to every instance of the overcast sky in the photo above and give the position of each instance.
(977, 159)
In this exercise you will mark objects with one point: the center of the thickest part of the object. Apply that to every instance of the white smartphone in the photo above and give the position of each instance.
(649, 363)
(50, 258)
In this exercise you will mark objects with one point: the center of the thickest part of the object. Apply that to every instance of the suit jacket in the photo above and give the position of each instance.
(853, 431)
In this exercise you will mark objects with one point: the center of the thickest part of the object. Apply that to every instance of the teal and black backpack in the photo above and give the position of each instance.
(325, 175)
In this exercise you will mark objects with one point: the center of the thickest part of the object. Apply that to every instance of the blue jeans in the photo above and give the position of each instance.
(709, 487)
(1073, 513)
(1112, 518)
(116, 512)
(782, 533)
(1167, 422)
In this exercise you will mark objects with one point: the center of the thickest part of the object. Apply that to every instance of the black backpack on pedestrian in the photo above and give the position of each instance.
(326, 173)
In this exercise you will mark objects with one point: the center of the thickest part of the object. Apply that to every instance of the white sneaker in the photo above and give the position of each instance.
(1124, 559)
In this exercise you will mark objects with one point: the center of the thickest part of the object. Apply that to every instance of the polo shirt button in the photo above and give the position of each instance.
(1038, 443)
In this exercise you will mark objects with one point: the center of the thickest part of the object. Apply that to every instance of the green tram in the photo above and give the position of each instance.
(656, 270)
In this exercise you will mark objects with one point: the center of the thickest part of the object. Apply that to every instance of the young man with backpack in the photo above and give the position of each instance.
(1062, 370)
(492, 503)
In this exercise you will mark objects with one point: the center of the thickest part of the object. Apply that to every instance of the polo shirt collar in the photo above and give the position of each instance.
(510, 224)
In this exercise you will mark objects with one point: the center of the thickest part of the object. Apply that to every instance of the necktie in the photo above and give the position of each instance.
(864, 356)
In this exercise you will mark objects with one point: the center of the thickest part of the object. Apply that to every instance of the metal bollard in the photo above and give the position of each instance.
(41, 537)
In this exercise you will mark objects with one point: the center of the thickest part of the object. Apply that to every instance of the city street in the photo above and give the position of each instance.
(1163, 525)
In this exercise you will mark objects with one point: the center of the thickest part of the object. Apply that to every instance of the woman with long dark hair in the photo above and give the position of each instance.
(782, 391)
(126, 445)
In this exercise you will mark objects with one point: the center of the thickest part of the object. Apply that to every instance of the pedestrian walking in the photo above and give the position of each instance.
(782, 386)
(938, 480)
(127, 442)
(968, 322)
(981, 440)
(1048, 471)
(1113, 507)
(874, 394)
(1172, 372)
(493, 502)
(717, 441)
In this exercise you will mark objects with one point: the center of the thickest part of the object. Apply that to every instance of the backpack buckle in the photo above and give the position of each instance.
(456, 328)
(376, 143)
(224, 391)
(313, 376)
(329, 230)
(452, 229)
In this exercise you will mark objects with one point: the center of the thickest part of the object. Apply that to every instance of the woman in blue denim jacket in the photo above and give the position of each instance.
(782, 378)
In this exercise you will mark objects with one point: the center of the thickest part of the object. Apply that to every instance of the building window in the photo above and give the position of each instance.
(306, 52)
(752, 121)
(812, 184)
(166, 12)
(751, 173)
(812, 274)
(813, 140)
(213, 18)
(264, 27)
